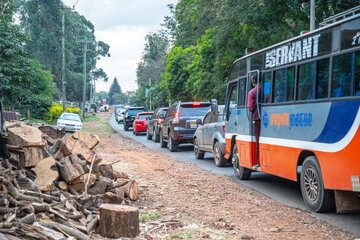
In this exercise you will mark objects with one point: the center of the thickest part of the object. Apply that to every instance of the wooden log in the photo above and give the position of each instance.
(46, 173)
(100, 186)
(92, 224)
(47, 198)
(106, 170)
(29, 219)
(131, 190)
(19, 196)
(79, 184)
(4, 210)
(59, 150)
(26, 183)
(39, 208)
(79, 147)
(120, 182)
(62, 185)
(118, 174)
(68, 230)
(90, 140)
(52, 131)
(4, 202)
(71, 168)
(117, 221)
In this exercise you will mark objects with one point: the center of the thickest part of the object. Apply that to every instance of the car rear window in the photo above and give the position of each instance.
(73, 117)
(135, 111)
(144, 116)
(194, 109)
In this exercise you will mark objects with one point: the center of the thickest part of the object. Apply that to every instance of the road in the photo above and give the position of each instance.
(281, 190)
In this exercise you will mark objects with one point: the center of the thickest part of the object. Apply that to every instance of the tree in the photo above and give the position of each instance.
(114, 89)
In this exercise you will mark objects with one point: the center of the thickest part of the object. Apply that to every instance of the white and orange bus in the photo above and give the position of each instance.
(308, 101)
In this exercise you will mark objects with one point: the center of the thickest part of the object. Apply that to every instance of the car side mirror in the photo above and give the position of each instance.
(199, 122)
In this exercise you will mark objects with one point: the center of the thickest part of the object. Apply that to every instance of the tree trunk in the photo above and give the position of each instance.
(118, 221)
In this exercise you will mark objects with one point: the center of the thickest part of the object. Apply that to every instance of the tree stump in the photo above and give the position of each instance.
(118, 221)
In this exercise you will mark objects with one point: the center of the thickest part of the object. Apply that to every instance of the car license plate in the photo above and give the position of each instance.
(193, 125)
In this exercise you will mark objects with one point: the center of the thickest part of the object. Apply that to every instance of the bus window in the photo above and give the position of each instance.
(266, 87)
(242, 90)
(306, 81)
(357, 74)
(322, 76)
(341, 84)
(284, 85)
(232, 103)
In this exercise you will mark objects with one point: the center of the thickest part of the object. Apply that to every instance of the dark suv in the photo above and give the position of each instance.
(180, 123)
(130, 115)
(154, 125)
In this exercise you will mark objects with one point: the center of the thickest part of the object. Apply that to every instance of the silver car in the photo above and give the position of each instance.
(210, 137)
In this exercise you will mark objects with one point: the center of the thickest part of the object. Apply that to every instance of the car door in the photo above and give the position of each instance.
(205, 135)
(166, 123)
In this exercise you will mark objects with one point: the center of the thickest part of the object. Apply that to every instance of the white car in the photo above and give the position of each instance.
(70, 121)
(120, 115)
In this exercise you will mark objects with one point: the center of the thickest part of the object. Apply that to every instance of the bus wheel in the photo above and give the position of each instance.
(316, 197)
(240, 172)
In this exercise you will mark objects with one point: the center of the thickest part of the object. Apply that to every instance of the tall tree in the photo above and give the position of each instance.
(115, 89)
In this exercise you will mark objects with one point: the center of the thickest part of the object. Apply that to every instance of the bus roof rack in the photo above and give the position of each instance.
(340, 16)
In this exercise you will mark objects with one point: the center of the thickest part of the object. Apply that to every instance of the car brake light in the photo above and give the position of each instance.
(196, 104)
(223, 127)
(160, 120)
(176, 117)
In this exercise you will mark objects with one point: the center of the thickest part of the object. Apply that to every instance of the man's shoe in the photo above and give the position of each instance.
(256, 167)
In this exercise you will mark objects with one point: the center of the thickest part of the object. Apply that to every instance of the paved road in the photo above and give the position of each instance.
(281, 190)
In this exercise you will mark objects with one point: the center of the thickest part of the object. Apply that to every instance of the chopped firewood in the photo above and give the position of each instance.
(59, 149)
(90, 140)
(46, 174)
(68, 230)
(71, 168)
(79, 184)
(79, 147)
(131, 190)
(52, 131)
(100, 186)
(92, 224)
(118, 174)
(118, 221)
(106, 170)
(62, 185)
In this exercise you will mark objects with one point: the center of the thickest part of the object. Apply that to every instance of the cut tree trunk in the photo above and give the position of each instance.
(131, 190)
(118, 221)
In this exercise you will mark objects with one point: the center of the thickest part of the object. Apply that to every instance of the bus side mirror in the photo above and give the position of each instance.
(214, 106)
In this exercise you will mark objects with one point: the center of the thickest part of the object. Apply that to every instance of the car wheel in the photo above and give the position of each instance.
(218, 156)
(316, 197)
(126, 128)
(148, 135)
(163, 144)
(156, 135)
(198, 153)
(172, 144)
(133, 131)
(240, 172)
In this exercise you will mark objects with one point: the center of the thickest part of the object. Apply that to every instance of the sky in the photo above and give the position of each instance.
(123, 24)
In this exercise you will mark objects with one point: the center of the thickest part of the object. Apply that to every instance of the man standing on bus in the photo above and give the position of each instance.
(252, 104)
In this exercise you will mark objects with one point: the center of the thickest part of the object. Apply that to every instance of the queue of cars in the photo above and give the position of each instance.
(181, 123)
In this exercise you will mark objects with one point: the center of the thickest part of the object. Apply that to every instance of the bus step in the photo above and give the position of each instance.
(347, 202)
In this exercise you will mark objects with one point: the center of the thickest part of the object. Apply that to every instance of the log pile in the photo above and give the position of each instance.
(52, 185)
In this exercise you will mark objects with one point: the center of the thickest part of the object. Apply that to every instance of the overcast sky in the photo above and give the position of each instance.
(123, 24)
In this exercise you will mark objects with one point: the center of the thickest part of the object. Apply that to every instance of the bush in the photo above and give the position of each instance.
(56, 109)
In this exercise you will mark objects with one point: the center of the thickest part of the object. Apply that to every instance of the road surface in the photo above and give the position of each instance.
(281, 190)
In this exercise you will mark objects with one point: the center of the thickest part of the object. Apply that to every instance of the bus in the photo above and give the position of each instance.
(307, 98)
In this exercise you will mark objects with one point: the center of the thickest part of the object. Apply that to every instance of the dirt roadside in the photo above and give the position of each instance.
(181, 201)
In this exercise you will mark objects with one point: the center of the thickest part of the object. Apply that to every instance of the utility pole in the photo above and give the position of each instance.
(63, 59)
(84, 73)
(312, 15)
(150, 93)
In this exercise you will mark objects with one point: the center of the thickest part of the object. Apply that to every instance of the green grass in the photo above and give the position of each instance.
(91, 118)
(147, 217)
(97, 124)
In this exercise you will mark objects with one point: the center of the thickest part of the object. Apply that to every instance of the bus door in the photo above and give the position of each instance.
(253, 117)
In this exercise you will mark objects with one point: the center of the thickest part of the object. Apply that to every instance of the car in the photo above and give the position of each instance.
(70, 121)
(119, 116)
(141, 121)
(130, 115)
(210, 137)
(180, 123)
(154, 125)
(116, 109)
